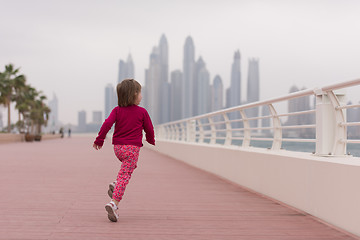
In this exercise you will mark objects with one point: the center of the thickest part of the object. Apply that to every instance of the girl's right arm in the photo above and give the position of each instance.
(105, 128)
(149, 129)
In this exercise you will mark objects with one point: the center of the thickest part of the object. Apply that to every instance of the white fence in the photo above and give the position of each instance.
(325, 124)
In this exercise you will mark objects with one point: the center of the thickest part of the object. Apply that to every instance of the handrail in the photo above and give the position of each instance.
(228, 126)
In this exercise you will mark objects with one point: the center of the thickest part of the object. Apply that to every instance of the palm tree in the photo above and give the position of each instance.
(9, 82)
(34, 111)
(3, 89)
(20, 89)
(39, 113)
(6, 90)
(24, 97)
(29, 102)
(2, 86)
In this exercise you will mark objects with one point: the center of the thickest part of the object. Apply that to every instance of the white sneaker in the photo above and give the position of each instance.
(111, 209)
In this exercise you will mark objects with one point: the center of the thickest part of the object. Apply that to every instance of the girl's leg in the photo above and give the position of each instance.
(128, 155)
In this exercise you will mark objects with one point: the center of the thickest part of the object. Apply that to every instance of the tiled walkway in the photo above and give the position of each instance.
(57, 189)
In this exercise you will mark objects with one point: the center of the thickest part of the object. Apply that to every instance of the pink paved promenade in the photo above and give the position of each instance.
(57, 189)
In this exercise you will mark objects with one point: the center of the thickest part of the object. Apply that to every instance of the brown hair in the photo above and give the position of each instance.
(127, 92)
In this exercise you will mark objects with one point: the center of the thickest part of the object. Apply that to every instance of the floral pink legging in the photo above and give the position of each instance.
(128, 155)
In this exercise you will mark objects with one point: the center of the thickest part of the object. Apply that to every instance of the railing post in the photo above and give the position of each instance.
(330, 132)
(227, 129)
(277, 142)
(201, 131)
(172, 131)
(183, 132)
(190, 131)
(177, 132)
(213, 131)
(247, 132)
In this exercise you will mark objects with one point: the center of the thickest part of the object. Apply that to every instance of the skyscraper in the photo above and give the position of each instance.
(234, 92)
(217, 99)
(110, 99)
(126, 69)
(164, 83)
(293, 106)
(298, 105)
(130, 67)
(253, 90)
(188, 78)
(165, 102)
(227, 100)
(53, 116)
(265, 122)
(199, 65)
(164, 59)
(157, 93)
(217, 94)
(235, 84)
(153, 84)
(353, 115)
(203, 91)
(175, 95)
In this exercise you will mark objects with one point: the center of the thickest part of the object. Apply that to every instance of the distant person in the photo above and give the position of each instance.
(69, 132)
(130, 120)
(61, 132)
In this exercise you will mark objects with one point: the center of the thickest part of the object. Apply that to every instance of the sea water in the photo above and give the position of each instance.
(351, 148)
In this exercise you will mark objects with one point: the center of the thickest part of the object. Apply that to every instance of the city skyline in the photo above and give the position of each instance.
(195, 91)
(73, 48)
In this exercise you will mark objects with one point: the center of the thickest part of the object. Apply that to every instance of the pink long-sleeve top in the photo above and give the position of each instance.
(129, 123)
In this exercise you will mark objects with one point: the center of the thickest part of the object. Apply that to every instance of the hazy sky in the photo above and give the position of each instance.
(72, 48)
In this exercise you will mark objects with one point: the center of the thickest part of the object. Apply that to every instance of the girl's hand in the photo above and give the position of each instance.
(97, 147)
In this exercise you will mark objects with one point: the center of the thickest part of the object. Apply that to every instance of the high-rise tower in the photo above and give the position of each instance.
(130, 67)
(188, 76)
(157, 88)
(126, 69)
(203, 93)
(253, 90)
(153, 84)
(293, 106)
(164, 58)
(265, 122)
(217, 99)
(217, 94)
(164, 83)
(353, 115)
(235, 84)
(110, 99)
(53, 116)
(234, 92)
(175, 95)
(199, 65)
(298, 105)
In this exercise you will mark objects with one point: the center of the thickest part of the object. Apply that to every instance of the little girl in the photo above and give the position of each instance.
(130, 120)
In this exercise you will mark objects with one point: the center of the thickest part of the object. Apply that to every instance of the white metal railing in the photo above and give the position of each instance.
(325, 125)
